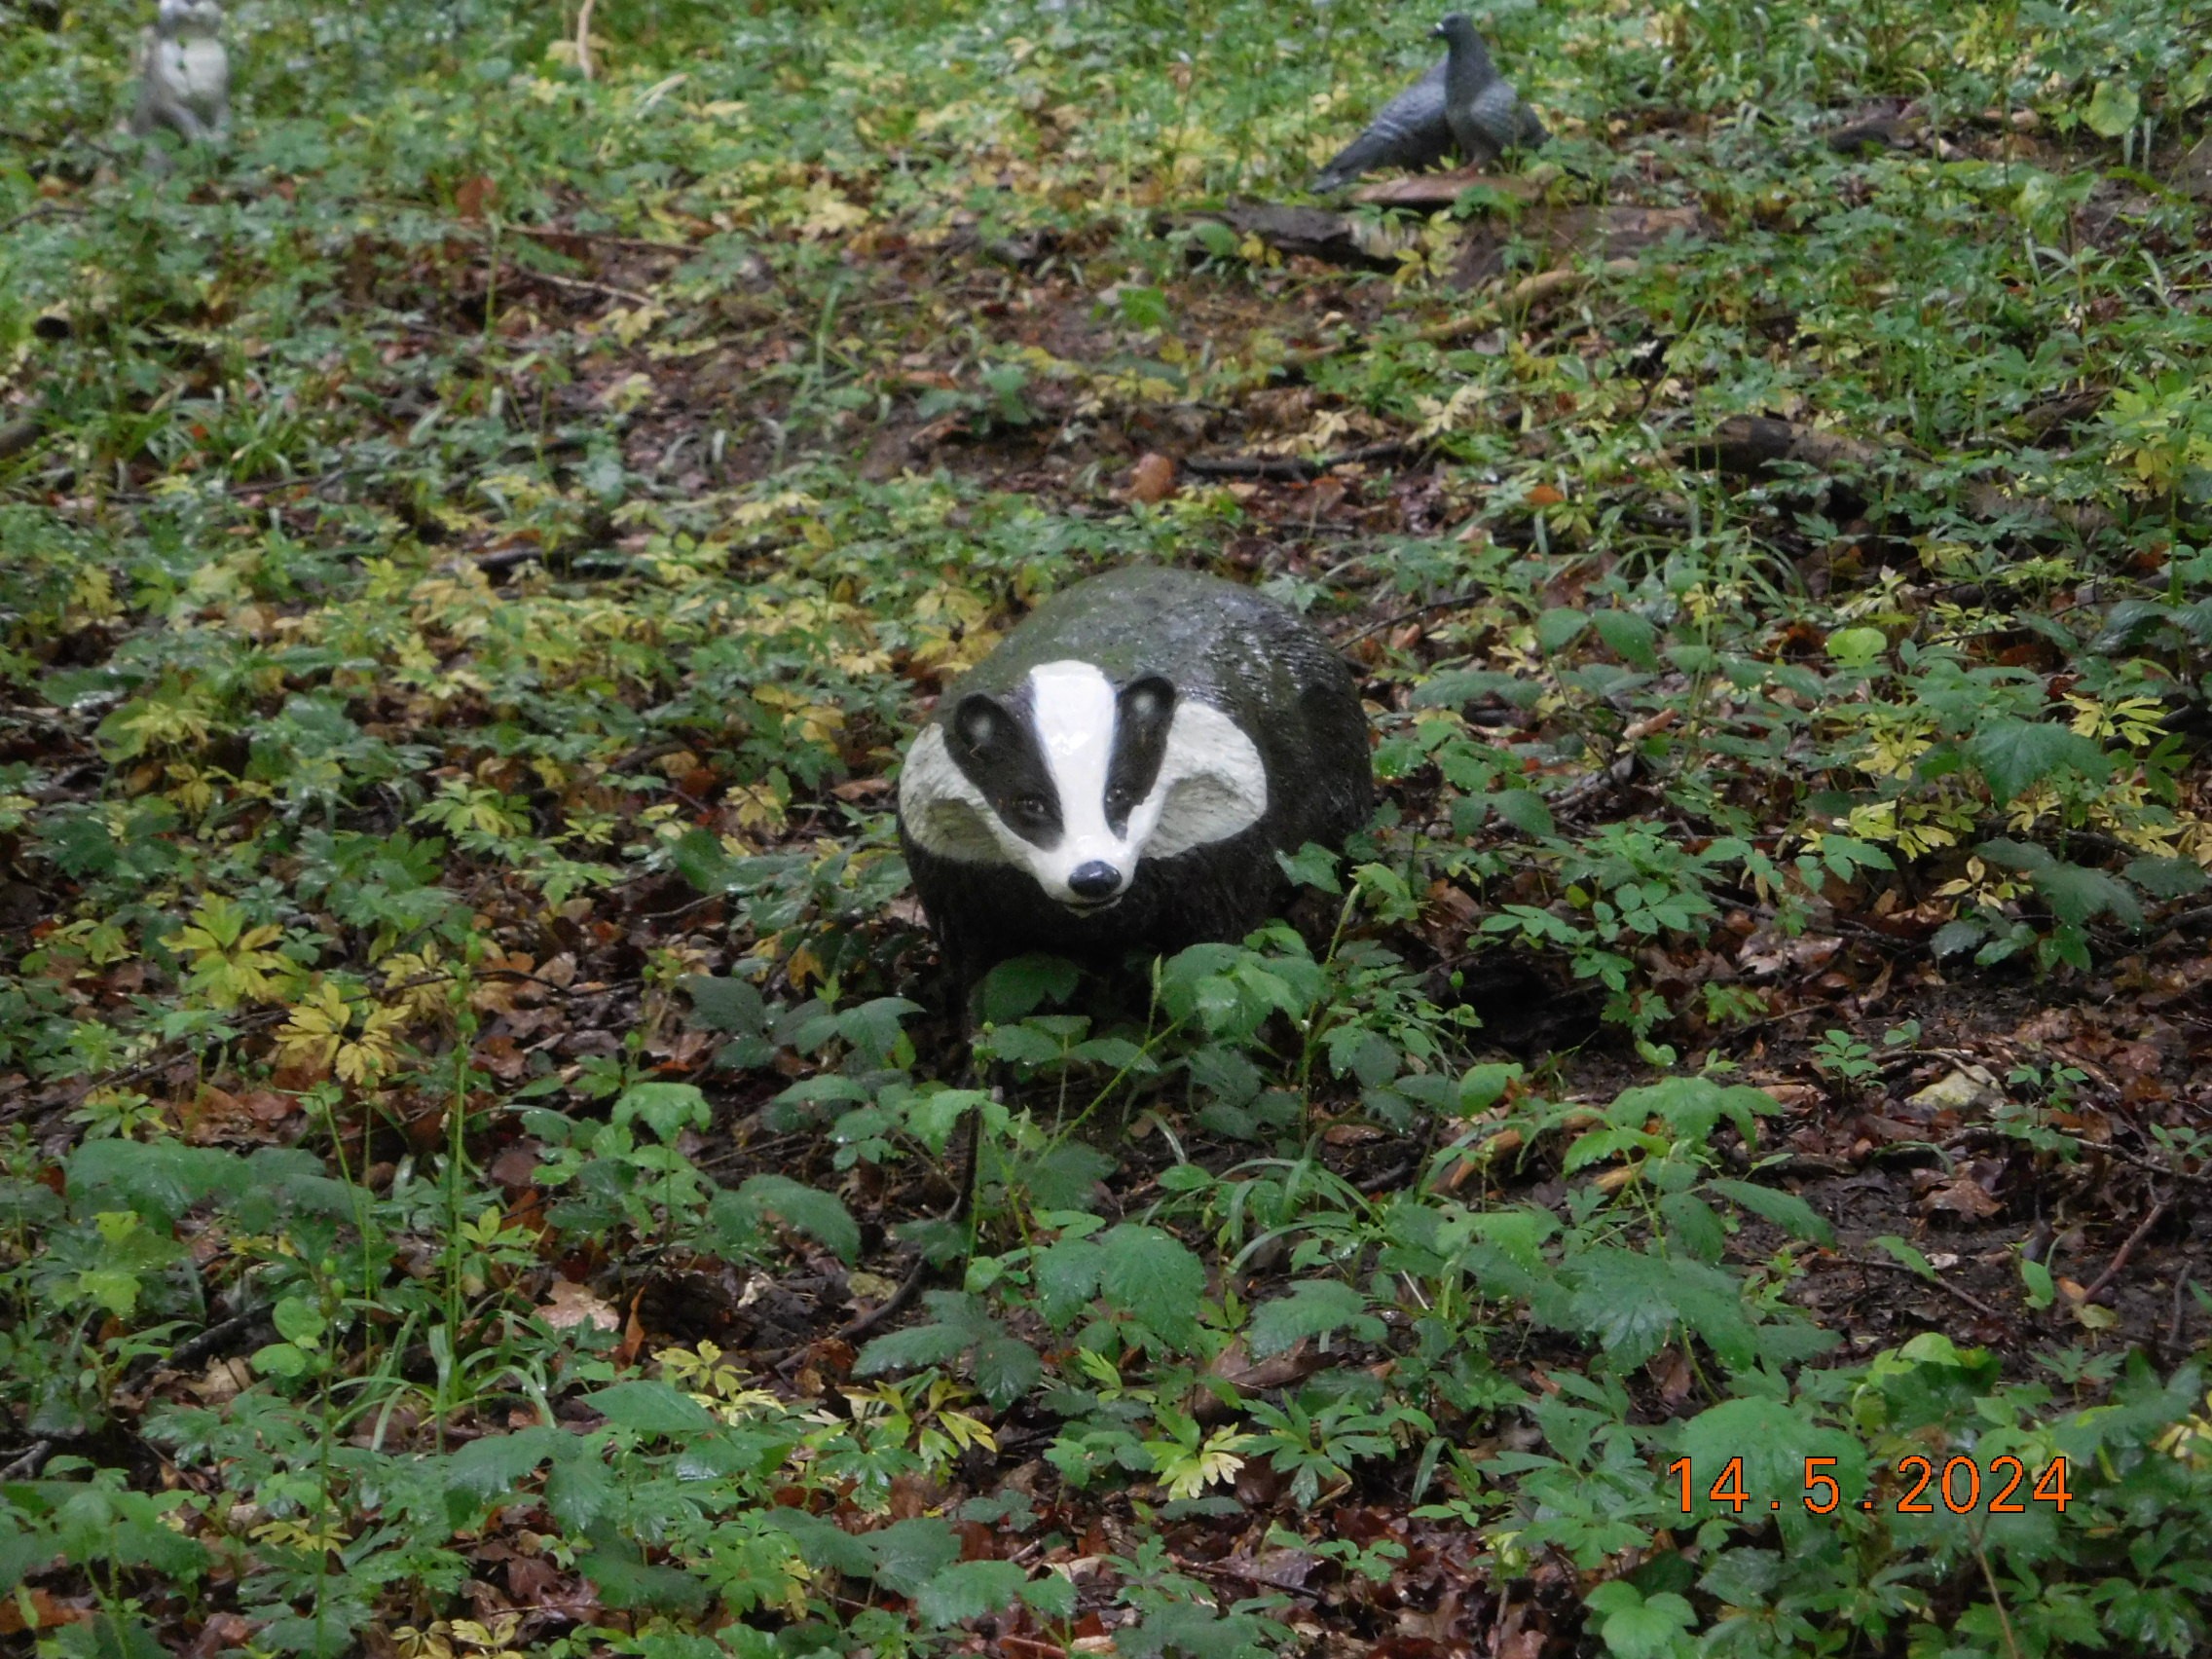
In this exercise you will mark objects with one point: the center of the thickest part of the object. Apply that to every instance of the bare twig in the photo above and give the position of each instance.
(583, 38)
(2127, 1250)
(643, 244)
(1454, 603)
(1939, 1282)
(579, 285)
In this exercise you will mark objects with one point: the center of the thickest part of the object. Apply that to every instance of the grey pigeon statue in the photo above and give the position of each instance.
(1486, 114)
(1461, 104)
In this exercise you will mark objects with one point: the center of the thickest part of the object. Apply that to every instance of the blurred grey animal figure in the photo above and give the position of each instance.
(1486, 114)
(1461, 104)
(184, 74)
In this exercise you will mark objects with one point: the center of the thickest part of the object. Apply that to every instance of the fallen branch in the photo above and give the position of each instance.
(1297, 466)
(1759, 445)
(1529, 291)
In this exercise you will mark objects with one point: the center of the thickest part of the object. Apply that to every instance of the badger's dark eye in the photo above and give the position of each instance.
(1026, 806)
(1120, 799)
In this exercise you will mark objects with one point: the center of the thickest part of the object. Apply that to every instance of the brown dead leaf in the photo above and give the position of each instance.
(225, 1380)
(1962, 1197)
(223, 1633)
(45, 1610)
(1152, 480)
(572, 1306)
(1769, 952)
(217, 1115)
(475, 193)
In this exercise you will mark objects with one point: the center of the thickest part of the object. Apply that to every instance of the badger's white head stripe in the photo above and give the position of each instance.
(1096, 747)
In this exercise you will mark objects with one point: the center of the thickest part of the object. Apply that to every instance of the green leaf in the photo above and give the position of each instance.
(1628, 637)
(1484, 1087)
(2114, 107)
(1633, 1628)
(699, 858)
(1006, 1368)
(619, 1572)
(2166, 879)
(2076, 894)
(157, 1179)
(1787, 1211)
(2015, 754)
(873, 1027)
(1151, 1274)
(969, 1590)
(1064, 1176)
(907, 1554)
(1311, 865)
(1952, 938)
(1630, 1302)
(2193, 84)
(297, 1321)
(1018, 987)
(279, 1359)
(1856, 647)
(722, 1002)
(1909, 1255)
(1524, 809)
(1067, 1278)
(664, 1106)
(1559, 627)
(821, 1216)
(496, 1465)
(1312, 1308)
(646, 1407)
(579, 1489)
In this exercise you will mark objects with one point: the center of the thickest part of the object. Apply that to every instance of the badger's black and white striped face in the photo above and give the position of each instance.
(1074, 780)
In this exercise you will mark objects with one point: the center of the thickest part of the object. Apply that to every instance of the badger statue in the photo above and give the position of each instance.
(1120, 771)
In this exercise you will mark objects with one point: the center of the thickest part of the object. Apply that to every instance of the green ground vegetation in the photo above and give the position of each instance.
(472, 551)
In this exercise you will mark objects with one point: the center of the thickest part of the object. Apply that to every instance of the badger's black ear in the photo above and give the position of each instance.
(1147, 702)
(980, 723)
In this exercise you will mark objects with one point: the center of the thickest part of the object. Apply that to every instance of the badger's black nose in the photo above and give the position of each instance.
(1097, 879)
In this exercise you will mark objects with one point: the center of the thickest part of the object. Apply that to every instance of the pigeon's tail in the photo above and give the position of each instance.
(1532, 133)
(1409, 132)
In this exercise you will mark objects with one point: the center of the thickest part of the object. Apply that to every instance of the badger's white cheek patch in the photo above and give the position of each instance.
(1212, 784)
(944, 813)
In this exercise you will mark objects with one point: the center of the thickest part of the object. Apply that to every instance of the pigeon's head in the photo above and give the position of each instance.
(188, 19)
(1458, 28)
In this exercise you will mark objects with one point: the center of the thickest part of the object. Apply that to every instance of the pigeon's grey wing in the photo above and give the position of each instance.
(1409, 131)
(1472, 136)
(1501, 120)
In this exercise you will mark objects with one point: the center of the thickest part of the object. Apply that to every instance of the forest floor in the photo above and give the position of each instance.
(1716, 1168)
